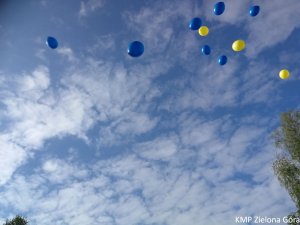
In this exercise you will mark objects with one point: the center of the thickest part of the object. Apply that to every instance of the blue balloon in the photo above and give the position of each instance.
(52, 42)
(219, 8)
(222, 60)
(254, 10)
(195, 23)
(206, 50)
(135, 49)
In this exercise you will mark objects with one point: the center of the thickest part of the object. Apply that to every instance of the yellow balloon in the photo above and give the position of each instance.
(284, 74)
(238, 45)
(203, 31)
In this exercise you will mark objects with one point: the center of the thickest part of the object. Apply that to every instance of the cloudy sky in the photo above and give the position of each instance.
(92, 136)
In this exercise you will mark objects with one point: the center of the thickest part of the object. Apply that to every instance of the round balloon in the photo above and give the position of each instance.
(219, 8)
(203, 31)
(195, 23)
(284, 74)
(135, 49)
(52, 42)
(238, 45)
(205, 50)
(254, 10)
(222, 60)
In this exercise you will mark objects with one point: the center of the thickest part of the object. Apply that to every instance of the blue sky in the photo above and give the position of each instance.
(90, 135)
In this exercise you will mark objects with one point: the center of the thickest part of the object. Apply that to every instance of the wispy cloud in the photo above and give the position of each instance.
(97, 92)
(68, 53)
(158, 149)
(58, 171)
(11, 157)
(103, 44)
(86, 7)
(258, 83)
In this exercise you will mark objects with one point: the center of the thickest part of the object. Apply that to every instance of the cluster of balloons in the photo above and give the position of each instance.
(237, 46)
(136, 48)
(196, 24)
(219, 8)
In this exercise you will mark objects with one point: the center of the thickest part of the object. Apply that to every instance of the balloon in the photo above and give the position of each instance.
(219, 8)
(222, 60)
(135, 49)
(203, 31)
(238, 45)
(206, 50)
(254, 10)
(195, 23)
(284, 74)
(52, 42)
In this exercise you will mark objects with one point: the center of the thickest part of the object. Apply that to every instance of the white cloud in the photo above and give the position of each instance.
(194, 132)
(58, 171)
(103, 44)
(158, 149)
(11, 157)
(36, 111)
(86, 7)
(244, 136)
(127, 126)
(136, 123)
(258, 84)
(116, 94)
(131, 189)
(68, 53)
(82, 11)
(40, 53)
(33, 122)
